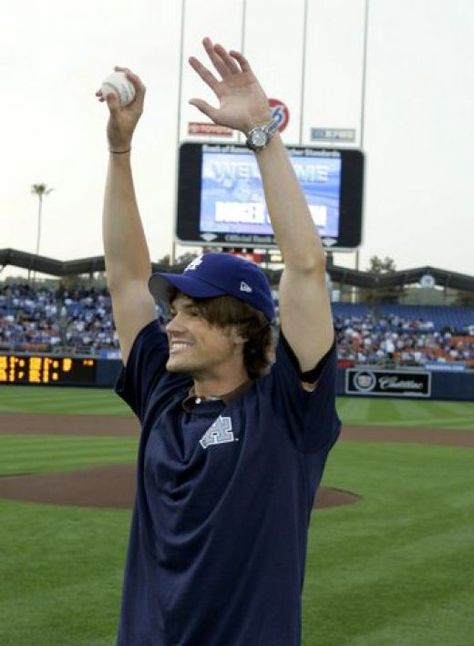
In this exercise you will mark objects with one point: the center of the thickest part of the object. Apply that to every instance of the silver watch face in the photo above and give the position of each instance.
(258, 137)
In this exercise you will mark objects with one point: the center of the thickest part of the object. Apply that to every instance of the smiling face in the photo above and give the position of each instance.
(205, 351)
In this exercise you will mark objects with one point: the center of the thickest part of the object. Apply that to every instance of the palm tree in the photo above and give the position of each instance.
(40, 190)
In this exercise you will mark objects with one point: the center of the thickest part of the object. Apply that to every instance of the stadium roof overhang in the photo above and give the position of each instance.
(341, 275)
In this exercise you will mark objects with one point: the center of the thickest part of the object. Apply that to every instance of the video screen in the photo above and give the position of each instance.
(221, 199)
(232, 199)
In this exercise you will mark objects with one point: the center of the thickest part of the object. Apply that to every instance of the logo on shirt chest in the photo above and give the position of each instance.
(220, 432)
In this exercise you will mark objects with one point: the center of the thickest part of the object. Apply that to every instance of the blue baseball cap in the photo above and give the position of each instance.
(218, 274)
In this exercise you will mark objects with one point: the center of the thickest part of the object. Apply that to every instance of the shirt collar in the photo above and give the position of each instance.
(192, 400)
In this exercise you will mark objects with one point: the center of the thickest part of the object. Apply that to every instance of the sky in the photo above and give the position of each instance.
(413, 117)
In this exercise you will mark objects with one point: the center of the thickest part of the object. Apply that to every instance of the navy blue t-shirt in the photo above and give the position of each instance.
(218, 536)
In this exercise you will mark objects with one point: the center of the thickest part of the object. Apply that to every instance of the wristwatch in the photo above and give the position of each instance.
(259, 136)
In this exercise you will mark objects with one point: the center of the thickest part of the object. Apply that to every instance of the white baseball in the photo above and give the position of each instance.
(121, 86)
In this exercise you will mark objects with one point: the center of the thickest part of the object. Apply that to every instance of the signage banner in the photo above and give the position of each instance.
(333, 134)
(387, 383)
(446, 367)
(280, 113)
(209, 129)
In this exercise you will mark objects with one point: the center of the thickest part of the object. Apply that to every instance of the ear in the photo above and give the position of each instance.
(237, 337)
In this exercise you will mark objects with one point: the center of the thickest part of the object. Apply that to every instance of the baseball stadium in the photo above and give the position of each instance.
(390, 539)
(251, 440)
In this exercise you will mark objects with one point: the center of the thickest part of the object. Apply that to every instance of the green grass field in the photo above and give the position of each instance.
(352, 410)
(394, 569)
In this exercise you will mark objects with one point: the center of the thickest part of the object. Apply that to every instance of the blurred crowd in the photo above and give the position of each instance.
(54, 320)
(392, 339)
(80, 322)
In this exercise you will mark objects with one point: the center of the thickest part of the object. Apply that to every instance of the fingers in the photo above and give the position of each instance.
(133, 78)
(111, 99)
(137, 83)
(207, 76)
(224, 62)
(242, 61)
(220, 58)
(227, 59)
(113, 102)
(215, 58)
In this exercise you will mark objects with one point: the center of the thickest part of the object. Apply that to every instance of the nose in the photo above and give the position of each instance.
(173, 325)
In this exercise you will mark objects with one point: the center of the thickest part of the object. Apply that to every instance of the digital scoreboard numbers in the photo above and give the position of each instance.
(42, 370)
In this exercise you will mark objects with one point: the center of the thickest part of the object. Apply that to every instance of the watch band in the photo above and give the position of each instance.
(264, 133)
(272, 127)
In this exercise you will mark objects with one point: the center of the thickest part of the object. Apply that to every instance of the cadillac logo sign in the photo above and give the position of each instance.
(365, 381)
(388, 383)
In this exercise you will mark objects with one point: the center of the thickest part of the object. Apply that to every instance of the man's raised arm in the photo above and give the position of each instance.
(305, 311)
(127, 260)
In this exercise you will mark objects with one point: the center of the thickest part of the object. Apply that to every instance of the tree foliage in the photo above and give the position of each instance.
(165, 261)
(40, 190)
(379, 266)
(186, 258)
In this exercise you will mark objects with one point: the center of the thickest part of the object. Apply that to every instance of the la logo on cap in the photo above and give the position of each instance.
(194, 264)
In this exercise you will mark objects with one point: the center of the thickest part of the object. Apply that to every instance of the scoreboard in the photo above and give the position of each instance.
(221, 198)
(46, 370)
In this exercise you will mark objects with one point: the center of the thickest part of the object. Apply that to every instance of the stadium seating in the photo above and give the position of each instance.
(48, 320)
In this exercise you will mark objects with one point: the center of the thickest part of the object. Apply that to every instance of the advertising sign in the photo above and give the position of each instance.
(208, 129)
(280, 112)
(334, 135)
(388, 383)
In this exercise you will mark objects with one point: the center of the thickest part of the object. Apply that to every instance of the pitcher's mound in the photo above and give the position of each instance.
(112, 486)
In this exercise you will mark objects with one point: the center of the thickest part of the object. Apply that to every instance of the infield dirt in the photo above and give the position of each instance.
(114, 486)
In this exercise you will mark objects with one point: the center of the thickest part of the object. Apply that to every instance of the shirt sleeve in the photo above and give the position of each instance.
(145, 366)
(309, 416)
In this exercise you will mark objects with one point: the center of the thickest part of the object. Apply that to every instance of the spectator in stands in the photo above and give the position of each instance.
(80, 321)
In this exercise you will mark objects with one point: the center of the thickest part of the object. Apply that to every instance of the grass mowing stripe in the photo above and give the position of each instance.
(353, 410)
(453, 423)
(73, 464)
(393, 410)
(55, 455)
(33, 443)
(463, 408)
(70, 464)
(446, 422)
(43, 453)
(420, 411)
(53, 393)
(61, 400)
(384, 412)
(425, 624)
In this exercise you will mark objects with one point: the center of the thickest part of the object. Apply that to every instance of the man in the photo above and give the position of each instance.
(231, 451)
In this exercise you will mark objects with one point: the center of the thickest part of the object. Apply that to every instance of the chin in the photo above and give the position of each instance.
(174, 366)
(178, 364)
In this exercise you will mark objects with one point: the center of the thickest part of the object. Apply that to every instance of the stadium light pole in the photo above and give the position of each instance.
(174, 243)
(363, 92)
(178, 124)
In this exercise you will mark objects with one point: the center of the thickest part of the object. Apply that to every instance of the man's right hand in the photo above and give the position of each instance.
(123, 120)
(127, 259)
